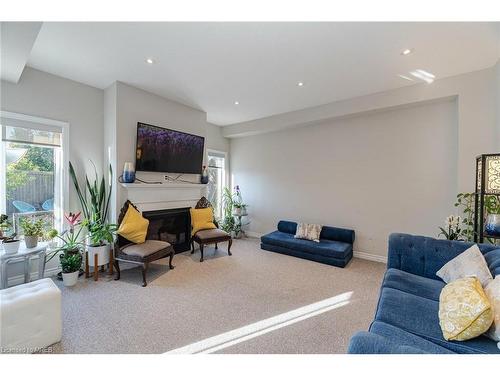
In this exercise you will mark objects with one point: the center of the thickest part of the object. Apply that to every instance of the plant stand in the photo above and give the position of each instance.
(240, 225)
(487, 184)
(96, 266)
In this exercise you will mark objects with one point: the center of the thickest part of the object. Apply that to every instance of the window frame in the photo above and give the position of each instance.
(62, 173)
(226, 163)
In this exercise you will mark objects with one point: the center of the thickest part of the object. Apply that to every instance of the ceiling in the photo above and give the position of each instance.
(209, 66)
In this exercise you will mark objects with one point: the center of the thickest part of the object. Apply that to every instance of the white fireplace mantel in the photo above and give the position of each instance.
(150, 197)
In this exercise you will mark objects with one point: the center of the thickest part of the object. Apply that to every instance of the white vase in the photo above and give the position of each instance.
(236, 211)
(11, 247)
(70, 279)
(102, 254)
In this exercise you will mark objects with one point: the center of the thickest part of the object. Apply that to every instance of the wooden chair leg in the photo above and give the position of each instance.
(216, 246)
(201, 250)
(229, 247)
(144, 270)
(111, 261)
(96, 267)
(87, 270)
(170, 261)
(192, 247)
(117, 266)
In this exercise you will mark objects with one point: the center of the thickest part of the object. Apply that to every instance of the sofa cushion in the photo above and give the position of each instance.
(367, 342)
(146, 248)
(413, 284)
(327, 233)
(327, 248)
(401, 337)
(419, 316)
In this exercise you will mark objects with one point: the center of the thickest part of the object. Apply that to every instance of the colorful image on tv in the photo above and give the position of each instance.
(165, 150)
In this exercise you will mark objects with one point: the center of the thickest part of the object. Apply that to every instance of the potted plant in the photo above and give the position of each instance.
(99, 238)
(228, 221)
(51, 236)
(95, 205)
(32, 229)
(70, 251)
(70, 264)
(492, 224)
(4, 225)
(452, 229)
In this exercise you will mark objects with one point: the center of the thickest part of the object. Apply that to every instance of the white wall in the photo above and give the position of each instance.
(45, 95)
(378, 173)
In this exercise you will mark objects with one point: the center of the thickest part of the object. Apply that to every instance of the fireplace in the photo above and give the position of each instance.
(171, 225)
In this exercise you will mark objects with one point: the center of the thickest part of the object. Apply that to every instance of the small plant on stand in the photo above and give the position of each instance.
(32, 229)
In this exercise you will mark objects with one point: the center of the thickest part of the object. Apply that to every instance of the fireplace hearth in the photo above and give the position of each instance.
(171, 225)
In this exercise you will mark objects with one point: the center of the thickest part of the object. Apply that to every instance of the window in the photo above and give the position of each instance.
(31, 164)
(216, 180)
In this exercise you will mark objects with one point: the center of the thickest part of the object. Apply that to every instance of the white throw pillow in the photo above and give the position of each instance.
(492, 291)
(470, 263)
(308, 231)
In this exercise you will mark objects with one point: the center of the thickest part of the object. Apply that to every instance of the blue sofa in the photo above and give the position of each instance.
(334, 248)
(406, 320)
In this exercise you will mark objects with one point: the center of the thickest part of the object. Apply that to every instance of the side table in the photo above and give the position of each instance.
(23, 255)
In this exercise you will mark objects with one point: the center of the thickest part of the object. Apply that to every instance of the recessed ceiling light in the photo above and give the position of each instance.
(149, 61)
(406, 51)
(236, 102)
(423, 75)
(300, 84)
(405, 77)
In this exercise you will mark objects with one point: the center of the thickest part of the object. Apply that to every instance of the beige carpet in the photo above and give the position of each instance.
(197, 300)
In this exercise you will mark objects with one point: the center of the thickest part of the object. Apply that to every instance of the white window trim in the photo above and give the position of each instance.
(226, 162)
(64, 126)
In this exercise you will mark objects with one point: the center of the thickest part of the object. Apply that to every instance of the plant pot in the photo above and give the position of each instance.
(31, 241)
(11, 247)
(492, 226)
(244, 211)
(102, 254)
(70, 279)
(237, 211)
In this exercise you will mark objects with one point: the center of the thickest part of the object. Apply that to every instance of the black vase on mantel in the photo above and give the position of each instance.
(204, 175)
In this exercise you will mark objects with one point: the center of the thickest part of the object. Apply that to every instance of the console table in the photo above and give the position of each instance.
(23, 255)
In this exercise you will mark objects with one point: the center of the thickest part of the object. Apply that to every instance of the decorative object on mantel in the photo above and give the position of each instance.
(128, 173)
(487, 200)
(204, 175)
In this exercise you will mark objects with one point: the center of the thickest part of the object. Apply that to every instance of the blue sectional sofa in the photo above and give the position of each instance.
(334, 248)
(406, 320)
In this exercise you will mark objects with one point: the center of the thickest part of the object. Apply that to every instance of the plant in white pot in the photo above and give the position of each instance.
(70, 251)
(99, 239)
(32, 230)
(95, 205)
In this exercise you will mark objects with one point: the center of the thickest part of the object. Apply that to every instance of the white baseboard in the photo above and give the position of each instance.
(253, 234)
(368, 256)
(19, 279)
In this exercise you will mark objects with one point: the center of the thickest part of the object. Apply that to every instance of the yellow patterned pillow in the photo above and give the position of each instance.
(464, 310)
(133, 227)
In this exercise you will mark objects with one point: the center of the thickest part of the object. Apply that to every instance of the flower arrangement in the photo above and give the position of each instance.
(31, 227)
(452, 229)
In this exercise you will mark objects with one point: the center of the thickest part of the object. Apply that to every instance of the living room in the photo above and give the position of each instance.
(323, 188)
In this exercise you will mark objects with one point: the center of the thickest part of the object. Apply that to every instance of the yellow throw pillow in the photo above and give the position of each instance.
(201, 218)
(133, 227)
(464, 310)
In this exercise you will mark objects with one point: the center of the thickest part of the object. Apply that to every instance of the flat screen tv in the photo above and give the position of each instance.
(169, 151)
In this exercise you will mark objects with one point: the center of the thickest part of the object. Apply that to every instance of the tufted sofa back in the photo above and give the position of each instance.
(424, 256)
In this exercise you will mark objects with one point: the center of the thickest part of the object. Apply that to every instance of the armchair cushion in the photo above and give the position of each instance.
(211, 235)
(146, 248)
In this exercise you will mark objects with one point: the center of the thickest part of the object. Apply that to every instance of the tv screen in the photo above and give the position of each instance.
(165, 150)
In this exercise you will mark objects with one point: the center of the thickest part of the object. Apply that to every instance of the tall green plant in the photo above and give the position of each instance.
(465, 203)
(95, 198)
(228, 221)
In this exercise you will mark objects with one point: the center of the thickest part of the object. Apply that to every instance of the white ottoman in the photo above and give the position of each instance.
(30, 316)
